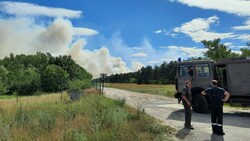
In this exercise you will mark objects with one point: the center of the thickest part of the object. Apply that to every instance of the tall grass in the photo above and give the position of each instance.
(92, 118)
(165, 90)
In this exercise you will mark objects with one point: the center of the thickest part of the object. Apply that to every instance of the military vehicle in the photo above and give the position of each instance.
(232, 74)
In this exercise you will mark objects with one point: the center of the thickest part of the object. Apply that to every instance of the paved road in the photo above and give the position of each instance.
(167, 110)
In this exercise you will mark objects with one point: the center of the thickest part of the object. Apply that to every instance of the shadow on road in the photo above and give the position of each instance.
(216, 138)
(181, 134)
(239, 119)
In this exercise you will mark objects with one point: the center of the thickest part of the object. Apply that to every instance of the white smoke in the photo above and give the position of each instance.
(98, 61)
(137, 65)
(25, 36)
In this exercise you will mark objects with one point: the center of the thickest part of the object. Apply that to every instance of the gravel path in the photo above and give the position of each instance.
(167, 110)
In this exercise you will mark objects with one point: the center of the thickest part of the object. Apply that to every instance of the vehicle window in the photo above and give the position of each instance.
(202, 70)
(185, 70)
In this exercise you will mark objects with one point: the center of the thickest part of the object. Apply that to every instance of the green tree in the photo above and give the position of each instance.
(216, 50)
(196, 58)
(24, 81)
(29, 81)
(246, 51)
(54, 78)
(76, 84)
(73, 69)
(156, 75)
(3, 79)
(171, 72)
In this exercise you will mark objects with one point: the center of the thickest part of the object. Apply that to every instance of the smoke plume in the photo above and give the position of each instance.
(22, 35)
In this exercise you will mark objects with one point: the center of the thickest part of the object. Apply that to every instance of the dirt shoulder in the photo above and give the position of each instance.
(169, 112)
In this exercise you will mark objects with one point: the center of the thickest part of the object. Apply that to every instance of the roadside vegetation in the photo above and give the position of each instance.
(93, 118)
(165, 90)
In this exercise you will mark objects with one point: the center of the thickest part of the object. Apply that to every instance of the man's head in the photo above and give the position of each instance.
(214, 83)
(188, 83)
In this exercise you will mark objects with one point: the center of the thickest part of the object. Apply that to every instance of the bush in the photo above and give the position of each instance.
(77, 84)
(115, 116)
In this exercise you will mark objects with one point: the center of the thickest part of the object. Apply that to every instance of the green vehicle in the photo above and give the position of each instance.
(232, 74)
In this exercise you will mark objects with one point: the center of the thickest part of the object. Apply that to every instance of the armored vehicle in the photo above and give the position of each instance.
(232, 74)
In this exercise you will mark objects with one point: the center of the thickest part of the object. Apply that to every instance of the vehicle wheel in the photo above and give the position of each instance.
(199, 104)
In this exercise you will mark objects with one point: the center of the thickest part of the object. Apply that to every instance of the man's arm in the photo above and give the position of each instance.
(203, 93)
(227, 95)
(185, 98)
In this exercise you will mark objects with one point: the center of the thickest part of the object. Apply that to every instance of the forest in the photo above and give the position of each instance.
(33, 74)
(163, 74)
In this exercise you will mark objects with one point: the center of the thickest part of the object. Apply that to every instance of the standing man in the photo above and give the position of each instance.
(217, 97)
(186, 100)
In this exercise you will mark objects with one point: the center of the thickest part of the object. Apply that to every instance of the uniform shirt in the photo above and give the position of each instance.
(216, 95)
(187, 92)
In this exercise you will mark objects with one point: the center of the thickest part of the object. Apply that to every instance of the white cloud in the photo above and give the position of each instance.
(158, 31)
(136, 48)
(28, 9)
(238, 7)
(173, 35)
(78, 31)
(237, 51)
(154, 56)
(198, 29)
(140, 54)
(246, 26)
(244, 37)
(228, 43)
(188, 51)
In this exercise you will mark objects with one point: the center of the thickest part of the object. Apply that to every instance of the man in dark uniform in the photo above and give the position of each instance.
(186, 100)
(217, 97)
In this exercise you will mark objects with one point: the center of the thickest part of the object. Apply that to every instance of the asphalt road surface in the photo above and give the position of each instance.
(236, 120)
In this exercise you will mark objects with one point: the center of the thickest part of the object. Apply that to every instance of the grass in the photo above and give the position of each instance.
(165, 90)
(8, 101)
(6, 97)
(93, 118)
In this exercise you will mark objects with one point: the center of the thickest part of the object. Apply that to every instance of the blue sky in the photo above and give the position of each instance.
(117, 36)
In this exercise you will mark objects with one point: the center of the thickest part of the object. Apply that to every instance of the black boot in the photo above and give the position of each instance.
(220, 131)
(214, 128)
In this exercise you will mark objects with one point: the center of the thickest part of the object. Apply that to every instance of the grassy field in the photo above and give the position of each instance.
(165, 90)
(92, 118)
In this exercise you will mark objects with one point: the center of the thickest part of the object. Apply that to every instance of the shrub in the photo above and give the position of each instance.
(114, 116)
(77, 84)
(22, 117)
(70, 112)
(46, 120)
(74, 135)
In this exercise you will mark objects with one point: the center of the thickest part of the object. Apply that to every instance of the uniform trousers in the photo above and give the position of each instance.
(217, 117)
(188, 114)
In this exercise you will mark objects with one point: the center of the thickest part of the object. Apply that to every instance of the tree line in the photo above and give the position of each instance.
(165, 73)
(31, 74)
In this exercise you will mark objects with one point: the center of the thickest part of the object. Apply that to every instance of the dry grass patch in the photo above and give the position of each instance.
(26, 100)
